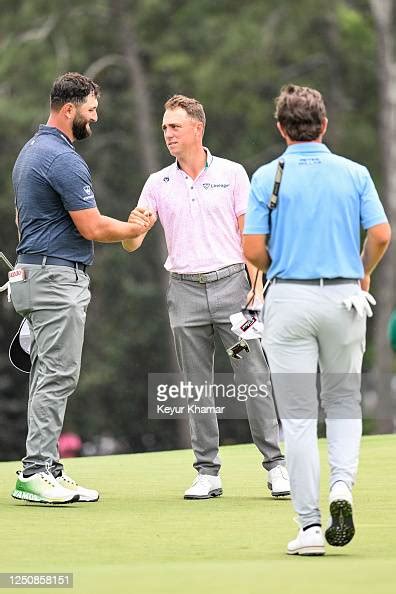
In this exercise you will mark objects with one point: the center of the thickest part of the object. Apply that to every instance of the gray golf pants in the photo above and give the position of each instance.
(306, 326)
(196, 310)
(54, 300)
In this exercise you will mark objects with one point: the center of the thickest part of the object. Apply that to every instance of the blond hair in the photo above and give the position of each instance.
(190, 105)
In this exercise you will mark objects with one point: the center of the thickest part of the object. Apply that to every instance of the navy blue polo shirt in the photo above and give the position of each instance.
(324, 200)
(50, 179)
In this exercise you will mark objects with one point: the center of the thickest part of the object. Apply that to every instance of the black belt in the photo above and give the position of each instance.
(316, 281)
(50, 260)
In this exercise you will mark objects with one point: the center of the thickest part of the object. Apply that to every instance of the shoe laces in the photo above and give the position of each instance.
(68, 479)
(49, 478)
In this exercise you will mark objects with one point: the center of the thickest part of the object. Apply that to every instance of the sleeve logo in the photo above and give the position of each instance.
(88, 193)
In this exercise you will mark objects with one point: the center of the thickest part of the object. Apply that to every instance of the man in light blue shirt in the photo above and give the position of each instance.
(304, 231)
(320, 192)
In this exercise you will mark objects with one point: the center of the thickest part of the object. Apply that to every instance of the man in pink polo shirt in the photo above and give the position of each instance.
(201, 201)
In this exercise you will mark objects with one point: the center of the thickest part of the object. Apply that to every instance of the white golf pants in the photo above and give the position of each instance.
(306, 328)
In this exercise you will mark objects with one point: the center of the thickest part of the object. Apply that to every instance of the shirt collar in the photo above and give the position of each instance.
(44, 129)
(209, 157)
(307, 147)
(209, 160)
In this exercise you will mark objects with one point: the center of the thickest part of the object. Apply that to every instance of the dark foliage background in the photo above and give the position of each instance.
(234, 56)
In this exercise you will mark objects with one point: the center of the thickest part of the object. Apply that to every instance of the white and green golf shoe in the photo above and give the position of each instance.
(42, 488)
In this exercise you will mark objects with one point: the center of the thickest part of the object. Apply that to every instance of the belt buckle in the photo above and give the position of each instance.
(201, 278)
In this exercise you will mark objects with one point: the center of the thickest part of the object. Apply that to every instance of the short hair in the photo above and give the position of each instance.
(190, 105)
(300, 111)
(72, 87)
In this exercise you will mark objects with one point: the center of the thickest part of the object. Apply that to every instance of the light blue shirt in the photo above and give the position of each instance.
(324, 200)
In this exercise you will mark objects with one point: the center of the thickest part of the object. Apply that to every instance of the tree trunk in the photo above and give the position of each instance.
(335, 98)
(385, 276)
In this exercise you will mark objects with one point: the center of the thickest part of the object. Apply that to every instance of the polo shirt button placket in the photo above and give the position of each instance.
(191, 189)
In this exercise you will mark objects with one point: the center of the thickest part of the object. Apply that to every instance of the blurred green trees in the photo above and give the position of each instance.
(233, 56)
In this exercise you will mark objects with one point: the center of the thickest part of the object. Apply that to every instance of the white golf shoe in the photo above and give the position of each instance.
(278, 481)
(309, 542)
(341, 529)
(42, 487)
(87, 495)
(204, 486)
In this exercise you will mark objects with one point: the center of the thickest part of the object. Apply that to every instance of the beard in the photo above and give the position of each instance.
(81, 128)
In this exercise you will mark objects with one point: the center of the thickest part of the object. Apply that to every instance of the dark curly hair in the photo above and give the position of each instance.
(72, 87)
(300, 111)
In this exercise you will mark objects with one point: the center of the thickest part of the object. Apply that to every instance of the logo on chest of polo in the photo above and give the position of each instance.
(206, 186)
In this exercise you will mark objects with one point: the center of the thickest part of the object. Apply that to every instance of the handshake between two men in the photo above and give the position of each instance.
(143, 220)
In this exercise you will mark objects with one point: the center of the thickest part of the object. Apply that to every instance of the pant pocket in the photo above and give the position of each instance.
(20, 297)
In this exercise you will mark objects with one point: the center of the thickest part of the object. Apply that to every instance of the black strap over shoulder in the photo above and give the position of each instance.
(273, 201)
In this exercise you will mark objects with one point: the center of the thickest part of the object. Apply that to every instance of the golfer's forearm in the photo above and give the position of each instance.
(131, 245)
(108, 230)
(261, 262)
(374, 247)
(255, 250)
(371, 255)
(253, 272)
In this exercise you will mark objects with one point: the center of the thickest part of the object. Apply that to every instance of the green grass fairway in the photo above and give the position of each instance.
(143, 538)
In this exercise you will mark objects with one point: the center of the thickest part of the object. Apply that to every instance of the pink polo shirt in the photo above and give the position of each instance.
(199, 217)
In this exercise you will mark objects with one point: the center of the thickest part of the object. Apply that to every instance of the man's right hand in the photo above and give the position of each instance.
(141, 221)
(142, 217)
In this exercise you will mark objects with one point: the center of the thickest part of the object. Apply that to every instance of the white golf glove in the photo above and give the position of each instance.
(361, 302)
(248, 328)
